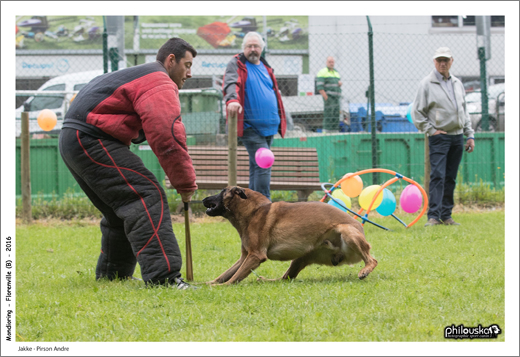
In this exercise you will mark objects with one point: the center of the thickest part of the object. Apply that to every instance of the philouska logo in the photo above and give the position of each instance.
(463, 332)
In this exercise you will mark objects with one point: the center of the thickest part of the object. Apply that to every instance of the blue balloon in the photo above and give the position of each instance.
(388, 205)
(409, 113)
(337, 205)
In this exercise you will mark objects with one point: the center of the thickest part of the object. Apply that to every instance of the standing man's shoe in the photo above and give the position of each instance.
(432, 222)
(450, 222)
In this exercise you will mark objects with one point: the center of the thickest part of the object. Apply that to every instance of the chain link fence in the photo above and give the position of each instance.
(60, 54)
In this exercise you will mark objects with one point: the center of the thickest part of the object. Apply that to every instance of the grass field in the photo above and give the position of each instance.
(427, 278)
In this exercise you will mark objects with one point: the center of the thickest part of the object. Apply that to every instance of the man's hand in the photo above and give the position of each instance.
(470, 145)
(339, 83)
(186, 196)
(323, 94)
(233, 108)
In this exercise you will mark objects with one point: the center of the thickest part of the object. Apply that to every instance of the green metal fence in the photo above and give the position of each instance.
(403, 153)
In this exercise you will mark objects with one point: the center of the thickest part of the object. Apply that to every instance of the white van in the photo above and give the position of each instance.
(58, 103)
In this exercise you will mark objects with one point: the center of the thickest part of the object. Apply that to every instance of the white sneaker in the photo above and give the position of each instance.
(182, 285)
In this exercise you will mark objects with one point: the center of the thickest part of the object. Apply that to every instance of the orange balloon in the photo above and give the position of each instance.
(47, 119)
(352, 186)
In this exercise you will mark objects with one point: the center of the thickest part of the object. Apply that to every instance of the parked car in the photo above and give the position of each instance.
(496, 94)
(471, 86)
(58, 103)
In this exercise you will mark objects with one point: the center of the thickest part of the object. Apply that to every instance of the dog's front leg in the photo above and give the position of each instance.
(225, 276)
(252, 261)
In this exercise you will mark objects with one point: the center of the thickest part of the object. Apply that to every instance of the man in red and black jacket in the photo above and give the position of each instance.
(251, 92)
(112, 111)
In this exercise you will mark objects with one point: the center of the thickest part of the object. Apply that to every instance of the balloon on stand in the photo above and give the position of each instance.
(367, 195)
(409, 113)
(47, 119)
(339, 195)
(264, 158)
(411, 199)
(388, 205)
(352, 186)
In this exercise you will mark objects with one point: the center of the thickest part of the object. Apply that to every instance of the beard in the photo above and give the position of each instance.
(253, 57)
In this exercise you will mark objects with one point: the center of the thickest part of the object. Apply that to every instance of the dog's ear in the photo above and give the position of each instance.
(240, 192)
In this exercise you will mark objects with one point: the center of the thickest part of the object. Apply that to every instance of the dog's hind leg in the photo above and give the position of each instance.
(357, 243)
(297, 265)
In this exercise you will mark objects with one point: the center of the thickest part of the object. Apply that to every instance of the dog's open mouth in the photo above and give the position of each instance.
(212, 207)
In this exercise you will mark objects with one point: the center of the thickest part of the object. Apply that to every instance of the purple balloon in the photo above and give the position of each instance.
(264, 158)
(411, 199)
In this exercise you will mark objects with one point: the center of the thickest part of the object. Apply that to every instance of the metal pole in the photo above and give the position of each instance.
(427, 167)
(483, 89)
(105, 47)
(375, 176)
(232, 150)
(113, 53)
(26, 170)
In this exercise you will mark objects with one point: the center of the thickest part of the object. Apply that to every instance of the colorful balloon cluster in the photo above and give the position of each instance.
(385, 203)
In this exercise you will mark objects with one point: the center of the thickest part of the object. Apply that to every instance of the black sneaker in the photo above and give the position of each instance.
(182, 285)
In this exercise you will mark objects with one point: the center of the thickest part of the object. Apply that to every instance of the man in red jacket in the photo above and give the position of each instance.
(112, 111)
(251, 92)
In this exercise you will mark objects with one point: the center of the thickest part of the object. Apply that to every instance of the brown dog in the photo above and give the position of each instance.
(304, 232)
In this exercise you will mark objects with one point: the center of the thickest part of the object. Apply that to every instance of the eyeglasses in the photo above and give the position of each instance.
(254, 46)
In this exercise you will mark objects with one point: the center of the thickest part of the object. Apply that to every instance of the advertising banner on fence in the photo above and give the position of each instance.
(150, 32)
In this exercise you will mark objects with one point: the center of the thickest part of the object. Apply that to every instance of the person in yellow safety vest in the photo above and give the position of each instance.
(328, 84)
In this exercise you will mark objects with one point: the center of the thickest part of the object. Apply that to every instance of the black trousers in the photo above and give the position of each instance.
(136, 224)
(445, 156)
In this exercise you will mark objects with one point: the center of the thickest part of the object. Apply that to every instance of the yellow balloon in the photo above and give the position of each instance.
(352, 186)
(338, 194)
(47, 119)
(366, 197)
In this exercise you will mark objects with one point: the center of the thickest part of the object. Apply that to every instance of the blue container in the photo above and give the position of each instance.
(398, 124)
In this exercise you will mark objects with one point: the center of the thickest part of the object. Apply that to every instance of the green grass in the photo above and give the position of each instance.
(427, 278)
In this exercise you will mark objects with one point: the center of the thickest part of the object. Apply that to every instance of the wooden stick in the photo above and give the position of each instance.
(189, 261)
(26, 170)
(232, 150)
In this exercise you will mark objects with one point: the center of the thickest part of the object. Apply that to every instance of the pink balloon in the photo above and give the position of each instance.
(264, 158)
(411, 199)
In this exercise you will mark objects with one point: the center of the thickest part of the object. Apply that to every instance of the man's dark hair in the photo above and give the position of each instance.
(178, 47)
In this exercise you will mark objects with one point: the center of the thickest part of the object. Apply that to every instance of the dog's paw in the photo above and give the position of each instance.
(218, 284)
(364, 273)
(212, 282)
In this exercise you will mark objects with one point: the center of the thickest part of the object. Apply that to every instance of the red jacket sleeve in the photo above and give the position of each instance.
(160, 112)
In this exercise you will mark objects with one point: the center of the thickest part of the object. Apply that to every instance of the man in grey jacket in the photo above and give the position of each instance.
(439, 110)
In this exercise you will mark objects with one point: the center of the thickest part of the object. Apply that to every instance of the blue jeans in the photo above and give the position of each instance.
(445, 156)
(259, 178)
